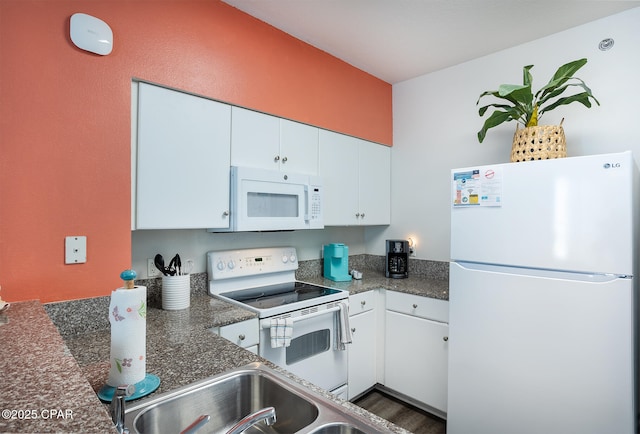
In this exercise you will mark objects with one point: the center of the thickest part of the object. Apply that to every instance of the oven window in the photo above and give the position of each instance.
(272, 205)
(308, 345)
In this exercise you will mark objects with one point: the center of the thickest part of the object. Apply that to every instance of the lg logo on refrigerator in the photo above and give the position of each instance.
(611, 165)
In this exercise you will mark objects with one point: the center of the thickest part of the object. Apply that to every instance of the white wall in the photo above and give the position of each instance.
(195, 243)
(436, 121)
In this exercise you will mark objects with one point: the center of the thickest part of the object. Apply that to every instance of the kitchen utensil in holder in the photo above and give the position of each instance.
(176, 292)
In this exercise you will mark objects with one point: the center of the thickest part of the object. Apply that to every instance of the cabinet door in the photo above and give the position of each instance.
(338, 166)
(415, 305)
(255, 139)
(375, 184)
(362, 302)
(416, 358)
(244, 334)
(183, 160)
(298, 147)
(362, 353)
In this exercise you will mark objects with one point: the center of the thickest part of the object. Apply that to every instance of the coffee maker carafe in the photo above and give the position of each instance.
(397, 264)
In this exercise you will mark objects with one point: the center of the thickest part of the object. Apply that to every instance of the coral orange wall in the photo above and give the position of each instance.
(65, 119)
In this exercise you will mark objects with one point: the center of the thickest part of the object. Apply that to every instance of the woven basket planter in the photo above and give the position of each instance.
(542, 142)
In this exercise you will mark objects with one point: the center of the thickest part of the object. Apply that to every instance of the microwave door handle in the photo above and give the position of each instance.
(265, 324)
(307, 204)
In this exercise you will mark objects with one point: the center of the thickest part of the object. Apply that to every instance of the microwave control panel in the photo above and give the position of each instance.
(315, 206)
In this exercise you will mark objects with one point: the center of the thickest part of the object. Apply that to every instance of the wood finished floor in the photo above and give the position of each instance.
(404, 415)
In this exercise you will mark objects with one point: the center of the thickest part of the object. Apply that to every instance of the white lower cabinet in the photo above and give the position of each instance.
(245, 334)
(362, 351)
(416, 346)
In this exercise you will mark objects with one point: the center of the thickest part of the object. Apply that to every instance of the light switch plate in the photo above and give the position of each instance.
(75, 250)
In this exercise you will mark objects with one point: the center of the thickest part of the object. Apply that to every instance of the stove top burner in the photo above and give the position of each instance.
(266, 297)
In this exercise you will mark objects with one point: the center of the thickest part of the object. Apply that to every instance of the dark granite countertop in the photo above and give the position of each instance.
(49, 384)
(42, 389)
(41, 372)
(181, 350)
(373, 279)
(180, 347)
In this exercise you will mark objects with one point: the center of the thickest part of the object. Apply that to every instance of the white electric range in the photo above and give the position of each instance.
(263, 280)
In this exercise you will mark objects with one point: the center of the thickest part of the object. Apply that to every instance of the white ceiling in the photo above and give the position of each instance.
(396, 40)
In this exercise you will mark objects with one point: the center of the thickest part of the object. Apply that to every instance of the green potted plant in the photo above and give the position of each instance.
(520, 104)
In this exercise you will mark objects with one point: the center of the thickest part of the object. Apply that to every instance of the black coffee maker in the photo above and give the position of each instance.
(397, 264)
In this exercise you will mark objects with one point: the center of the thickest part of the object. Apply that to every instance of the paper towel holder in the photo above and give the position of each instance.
(143, 388)
(150, 382)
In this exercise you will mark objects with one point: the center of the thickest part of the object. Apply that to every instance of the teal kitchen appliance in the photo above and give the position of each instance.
(336, 262)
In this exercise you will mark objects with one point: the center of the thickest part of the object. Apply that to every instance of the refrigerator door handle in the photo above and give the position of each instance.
(538, 272)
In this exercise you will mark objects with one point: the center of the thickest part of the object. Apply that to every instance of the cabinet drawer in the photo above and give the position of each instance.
(423, 307)
(362, 302)
(244, 334)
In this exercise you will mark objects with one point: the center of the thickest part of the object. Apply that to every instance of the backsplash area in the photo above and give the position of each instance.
(418, 267)
(89, 315)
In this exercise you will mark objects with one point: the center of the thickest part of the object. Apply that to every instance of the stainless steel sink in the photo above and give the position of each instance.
(338, 428)
(229, 397)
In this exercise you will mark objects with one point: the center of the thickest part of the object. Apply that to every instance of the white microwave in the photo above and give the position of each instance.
(267, 200)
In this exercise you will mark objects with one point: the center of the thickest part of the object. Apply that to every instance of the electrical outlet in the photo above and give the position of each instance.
(152, 270)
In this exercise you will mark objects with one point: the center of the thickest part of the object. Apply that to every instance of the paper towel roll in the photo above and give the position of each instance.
(127, 315)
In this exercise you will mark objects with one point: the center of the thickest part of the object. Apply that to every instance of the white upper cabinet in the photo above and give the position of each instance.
(338, 167)
(374, 178)
(357, 180)
(184, 145)
(182, 161)
(255, 139)
(268, 142)
(298, 147)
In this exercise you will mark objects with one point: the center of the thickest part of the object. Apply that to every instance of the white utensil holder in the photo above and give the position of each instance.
(176, 292)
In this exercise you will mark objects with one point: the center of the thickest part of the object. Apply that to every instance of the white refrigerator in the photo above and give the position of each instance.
(542, 297)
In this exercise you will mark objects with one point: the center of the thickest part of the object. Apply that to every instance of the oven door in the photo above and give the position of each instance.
(314, 352)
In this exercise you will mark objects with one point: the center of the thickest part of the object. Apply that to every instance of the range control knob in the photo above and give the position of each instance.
(231, 265)
(285, 259)
(292, 258)
(220, 265)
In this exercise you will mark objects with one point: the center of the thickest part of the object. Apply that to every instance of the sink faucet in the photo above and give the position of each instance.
(117, 406)
(267, 414)
(196, 425)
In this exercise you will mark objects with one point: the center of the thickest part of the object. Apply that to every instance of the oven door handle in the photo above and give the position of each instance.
(266, 323)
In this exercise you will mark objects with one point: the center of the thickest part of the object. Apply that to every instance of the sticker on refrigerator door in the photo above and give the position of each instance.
(477, 187)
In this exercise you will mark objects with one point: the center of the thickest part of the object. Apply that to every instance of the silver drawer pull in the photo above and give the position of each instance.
(446, 338)
(363, 302)
(415, 306)
(353, 330)
(241, 337)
